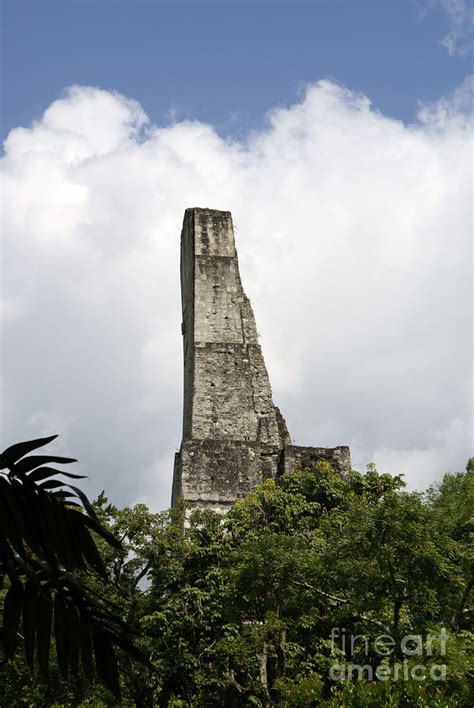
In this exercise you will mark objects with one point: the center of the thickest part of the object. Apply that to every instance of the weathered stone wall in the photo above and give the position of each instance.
(227, 391)
(233, 435)
(338, 457)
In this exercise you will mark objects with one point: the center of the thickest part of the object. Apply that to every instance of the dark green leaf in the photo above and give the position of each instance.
(34, 514)
(30, 602)
(90, 551)
(15, 452)
(73, 524)
(85, 638)
(130, 648)
(13, 526)
(25, 511)
(51, 484)
(43, 629)
(44, 472)
(62, 548)
(106, 661)
(73, 623)
(34, 461)
(94, 522)
(29, 570)
(41, 473)
(87, 505)
(61, 632)
(11, 617)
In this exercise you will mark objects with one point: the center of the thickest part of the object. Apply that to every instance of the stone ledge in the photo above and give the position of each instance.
(215, 473)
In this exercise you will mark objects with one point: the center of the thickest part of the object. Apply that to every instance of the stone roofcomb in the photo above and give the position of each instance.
(234, 437)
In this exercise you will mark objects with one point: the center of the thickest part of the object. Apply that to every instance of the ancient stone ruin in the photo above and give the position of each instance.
(234, 437)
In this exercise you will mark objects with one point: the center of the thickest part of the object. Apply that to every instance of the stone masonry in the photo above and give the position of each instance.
(234, 437)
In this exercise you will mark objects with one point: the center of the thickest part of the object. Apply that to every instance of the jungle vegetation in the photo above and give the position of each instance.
(312, 591)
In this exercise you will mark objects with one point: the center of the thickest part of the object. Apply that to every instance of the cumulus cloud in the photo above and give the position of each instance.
(451, 109)
(353, 232)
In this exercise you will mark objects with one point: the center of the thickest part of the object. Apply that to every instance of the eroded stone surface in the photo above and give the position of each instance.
(234, 437)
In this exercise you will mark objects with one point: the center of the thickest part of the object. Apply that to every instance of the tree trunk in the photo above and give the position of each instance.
(262, 665)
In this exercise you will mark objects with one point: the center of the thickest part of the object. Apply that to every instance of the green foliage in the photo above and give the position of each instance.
(240, 610)
(46, 538)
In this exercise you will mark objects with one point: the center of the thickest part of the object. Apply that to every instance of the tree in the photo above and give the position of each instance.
(127, 584)
(452, 506)
(242, 607)
(47, 538)
(239, 610)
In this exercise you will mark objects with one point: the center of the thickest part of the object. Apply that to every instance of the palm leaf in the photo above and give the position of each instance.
(15, 452)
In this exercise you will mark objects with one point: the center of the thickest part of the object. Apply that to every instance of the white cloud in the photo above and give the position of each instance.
(456, 108)
(459, 39)
(354, 235)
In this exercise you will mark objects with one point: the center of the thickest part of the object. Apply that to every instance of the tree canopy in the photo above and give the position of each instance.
(311, 591)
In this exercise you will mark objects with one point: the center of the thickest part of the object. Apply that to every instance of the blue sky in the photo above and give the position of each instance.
(225, 63)
(349, 177)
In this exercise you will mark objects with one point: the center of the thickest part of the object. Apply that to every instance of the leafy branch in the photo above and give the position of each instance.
(46, 537)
